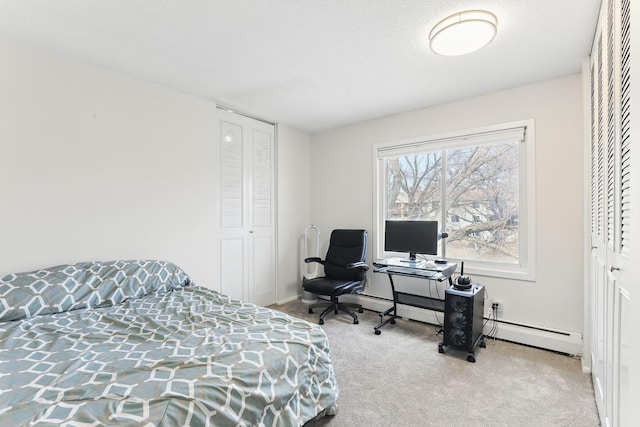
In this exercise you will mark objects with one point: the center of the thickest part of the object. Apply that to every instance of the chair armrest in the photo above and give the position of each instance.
(359, 264)
(314, 259)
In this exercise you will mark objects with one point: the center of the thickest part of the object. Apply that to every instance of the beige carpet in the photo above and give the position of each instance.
(398, 378)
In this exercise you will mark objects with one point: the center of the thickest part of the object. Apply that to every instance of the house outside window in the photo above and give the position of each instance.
(477, 185)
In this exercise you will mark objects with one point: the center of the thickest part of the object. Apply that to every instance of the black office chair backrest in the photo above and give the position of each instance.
(345, 247)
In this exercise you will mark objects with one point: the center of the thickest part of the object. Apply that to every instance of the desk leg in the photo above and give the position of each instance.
(391, 311)
(391, 319)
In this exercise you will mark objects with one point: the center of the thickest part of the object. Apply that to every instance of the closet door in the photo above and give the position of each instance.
(610, 165)
(598, 253)
(246, 237)
(625, 330)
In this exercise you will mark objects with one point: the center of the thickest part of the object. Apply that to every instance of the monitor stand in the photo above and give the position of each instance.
(412, 258)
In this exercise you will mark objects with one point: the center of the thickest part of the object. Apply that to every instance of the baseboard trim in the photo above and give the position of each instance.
(287, 300)
(560, 341)
(533, 335)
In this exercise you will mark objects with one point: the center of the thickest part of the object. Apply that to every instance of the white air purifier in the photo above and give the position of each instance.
(310, 270)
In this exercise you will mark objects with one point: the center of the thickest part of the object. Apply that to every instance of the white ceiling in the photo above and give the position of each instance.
(311, 64)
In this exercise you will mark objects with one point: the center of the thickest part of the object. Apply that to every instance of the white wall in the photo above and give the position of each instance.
(98, 165)
(294, 207)
(342, 186)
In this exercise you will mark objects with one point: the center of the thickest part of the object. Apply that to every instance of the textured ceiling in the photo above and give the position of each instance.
(312, 64)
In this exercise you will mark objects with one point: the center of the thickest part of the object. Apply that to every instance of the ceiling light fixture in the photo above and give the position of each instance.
(463, 32)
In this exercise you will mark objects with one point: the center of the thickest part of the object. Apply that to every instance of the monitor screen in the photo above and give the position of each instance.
(414, 237)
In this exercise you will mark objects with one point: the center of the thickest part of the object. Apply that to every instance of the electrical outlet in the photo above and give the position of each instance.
(498, 305)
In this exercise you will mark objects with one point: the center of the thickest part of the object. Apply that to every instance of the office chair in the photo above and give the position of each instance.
(344, 272)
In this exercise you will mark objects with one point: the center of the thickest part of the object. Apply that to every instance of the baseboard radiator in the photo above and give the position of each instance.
(532, 335)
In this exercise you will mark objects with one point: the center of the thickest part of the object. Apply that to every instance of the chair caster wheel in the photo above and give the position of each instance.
(360, 310)
(310, 310)
(321, 322)
(471, 358)
(440, 348)
(356, 321)
(377, 331)
(392, 321)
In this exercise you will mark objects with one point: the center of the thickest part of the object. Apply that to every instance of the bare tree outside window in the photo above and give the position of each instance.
(481, 197)
(414, 183)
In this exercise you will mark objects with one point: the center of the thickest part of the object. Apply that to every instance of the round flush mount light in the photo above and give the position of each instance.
(463, 32)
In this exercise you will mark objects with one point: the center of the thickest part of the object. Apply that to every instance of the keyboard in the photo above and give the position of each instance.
(410, 271)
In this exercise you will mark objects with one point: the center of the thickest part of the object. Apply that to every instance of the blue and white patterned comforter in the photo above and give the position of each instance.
(135, 343)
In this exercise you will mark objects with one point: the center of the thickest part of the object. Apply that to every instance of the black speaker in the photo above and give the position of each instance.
(463, 314)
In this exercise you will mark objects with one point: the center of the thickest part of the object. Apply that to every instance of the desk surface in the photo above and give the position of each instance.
(419, 269)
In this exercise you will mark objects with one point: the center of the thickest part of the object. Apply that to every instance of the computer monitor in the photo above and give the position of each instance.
(414, 237)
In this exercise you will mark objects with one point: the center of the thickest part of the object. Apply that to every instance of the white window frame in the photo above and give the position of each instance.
(526, 268)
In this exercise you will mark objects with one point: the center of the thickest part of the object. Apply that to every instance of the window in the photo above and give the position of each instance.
(478, 185)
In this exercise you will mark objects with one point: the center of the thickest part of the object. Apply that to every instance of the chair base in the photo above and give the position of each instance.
(335, 306)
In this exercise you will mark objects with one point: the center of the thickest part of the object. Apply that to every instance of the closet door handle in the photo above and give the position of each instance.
(612, 269)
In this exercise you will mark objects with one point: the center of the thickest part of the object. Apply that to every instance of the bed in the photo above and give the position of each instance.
(137, 343)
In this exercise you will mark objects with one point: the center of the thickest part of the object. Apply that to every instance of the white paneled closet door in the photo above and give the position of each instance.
(611, 284)
(246, 237)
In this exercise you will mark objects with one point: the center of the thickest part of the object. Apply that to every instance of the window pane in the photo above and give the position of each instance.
(414, 186)
(483, 202)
